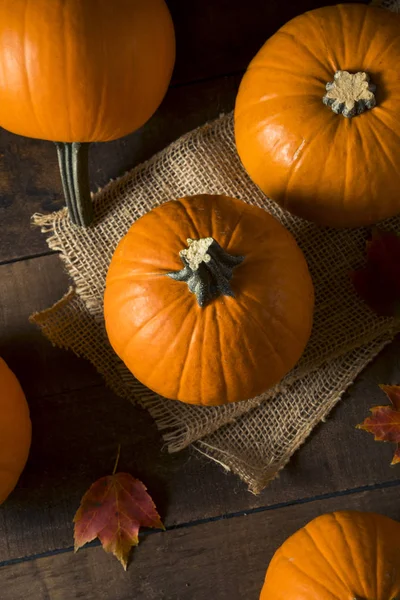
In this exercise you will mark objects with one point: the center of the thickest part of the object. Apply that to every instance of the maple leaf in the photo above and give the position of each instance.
(384, 423)
(378, 283)
(113, 510)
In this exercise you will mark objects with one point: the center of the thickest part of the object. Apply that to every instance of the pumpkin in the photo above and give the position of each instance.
(208, 300)
(316, 116)
(346, 555)
(77, 72)
(15, 430)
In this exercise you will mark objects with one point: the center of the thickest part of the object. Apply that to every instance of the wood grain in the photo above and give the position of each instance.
(223, 560)
(26, 287)
(78, 423)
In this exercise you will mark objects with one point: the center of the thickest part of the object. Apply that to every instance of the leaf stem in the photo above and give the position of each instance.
(117, 459)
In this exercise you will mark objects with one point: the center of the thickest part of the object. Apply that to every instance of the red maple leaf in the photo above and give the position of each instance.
(384, 423)
(378, 283)
(113, 509)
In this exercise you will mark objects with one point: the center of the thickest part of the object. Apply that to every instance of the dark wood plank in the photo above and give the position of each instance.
(222, 36)
(78, 424)
(29, 177)
(26, 287)
(225, 560)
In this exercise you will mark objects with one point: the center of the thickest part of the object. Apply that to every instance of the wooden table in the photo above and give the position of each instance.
(219, 537)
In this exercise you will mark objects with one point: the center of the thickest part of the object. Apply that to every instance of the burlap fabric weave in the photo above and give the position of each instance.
(257, 437)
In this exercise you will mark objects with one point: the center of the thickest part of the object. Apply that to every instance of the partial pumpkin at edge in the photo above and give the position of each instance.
(78, 72)
(15, 431)
(335, 170)
(348, 555)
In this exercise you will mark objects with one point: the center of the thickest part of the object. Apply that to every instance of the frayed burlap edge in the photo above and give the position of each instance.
(175, 433)
(70, 313)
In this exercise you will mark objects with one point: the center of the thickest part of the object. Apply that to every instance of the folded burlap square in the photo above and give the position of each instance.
(257, 437)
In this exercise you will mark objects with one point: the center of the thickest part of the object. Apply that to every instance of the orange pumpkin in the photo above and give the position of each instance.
(15, 430)
(346, 555)
(82, 71)
(218, 321)
(316, 116)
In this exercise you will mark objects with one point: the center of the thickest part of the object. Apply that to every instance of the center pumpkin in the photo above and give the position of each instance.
(208, 300)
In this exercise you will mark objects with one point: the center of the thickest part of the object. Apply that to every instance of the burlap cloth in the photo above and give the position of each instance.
(256, 438)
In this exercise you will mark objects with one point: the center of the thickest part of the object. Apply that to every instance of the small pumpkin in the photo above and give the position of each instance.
(316, 116)
(77, 72)
(208, 300)
(345, 555)
(15, 431)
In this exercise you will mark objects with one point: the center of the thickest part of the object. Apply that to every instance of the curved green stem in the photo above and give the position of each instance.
(207, 269)
(73, 159)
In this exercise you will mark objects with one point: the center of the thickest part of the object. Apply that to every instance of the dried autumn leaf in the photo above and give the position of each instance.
(113, 509)
(384, 423)
(396, 457)
(378, 283)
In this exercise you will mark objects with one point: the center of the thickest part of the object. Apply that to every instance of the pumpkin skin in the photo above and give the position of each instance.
(83, 71)
(317, 164)
(232, 349)
(15, 431)
(346, 555)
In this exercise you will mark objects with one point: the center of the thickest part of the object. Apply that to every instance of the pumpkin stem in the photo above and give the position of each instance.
(73, 159)
(207, 269)
(350, 94)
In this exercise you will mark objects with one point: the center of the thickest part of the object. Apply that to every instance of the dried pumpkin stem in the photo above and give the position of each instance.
(207, 269)
(350, 94)
(73, 159)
